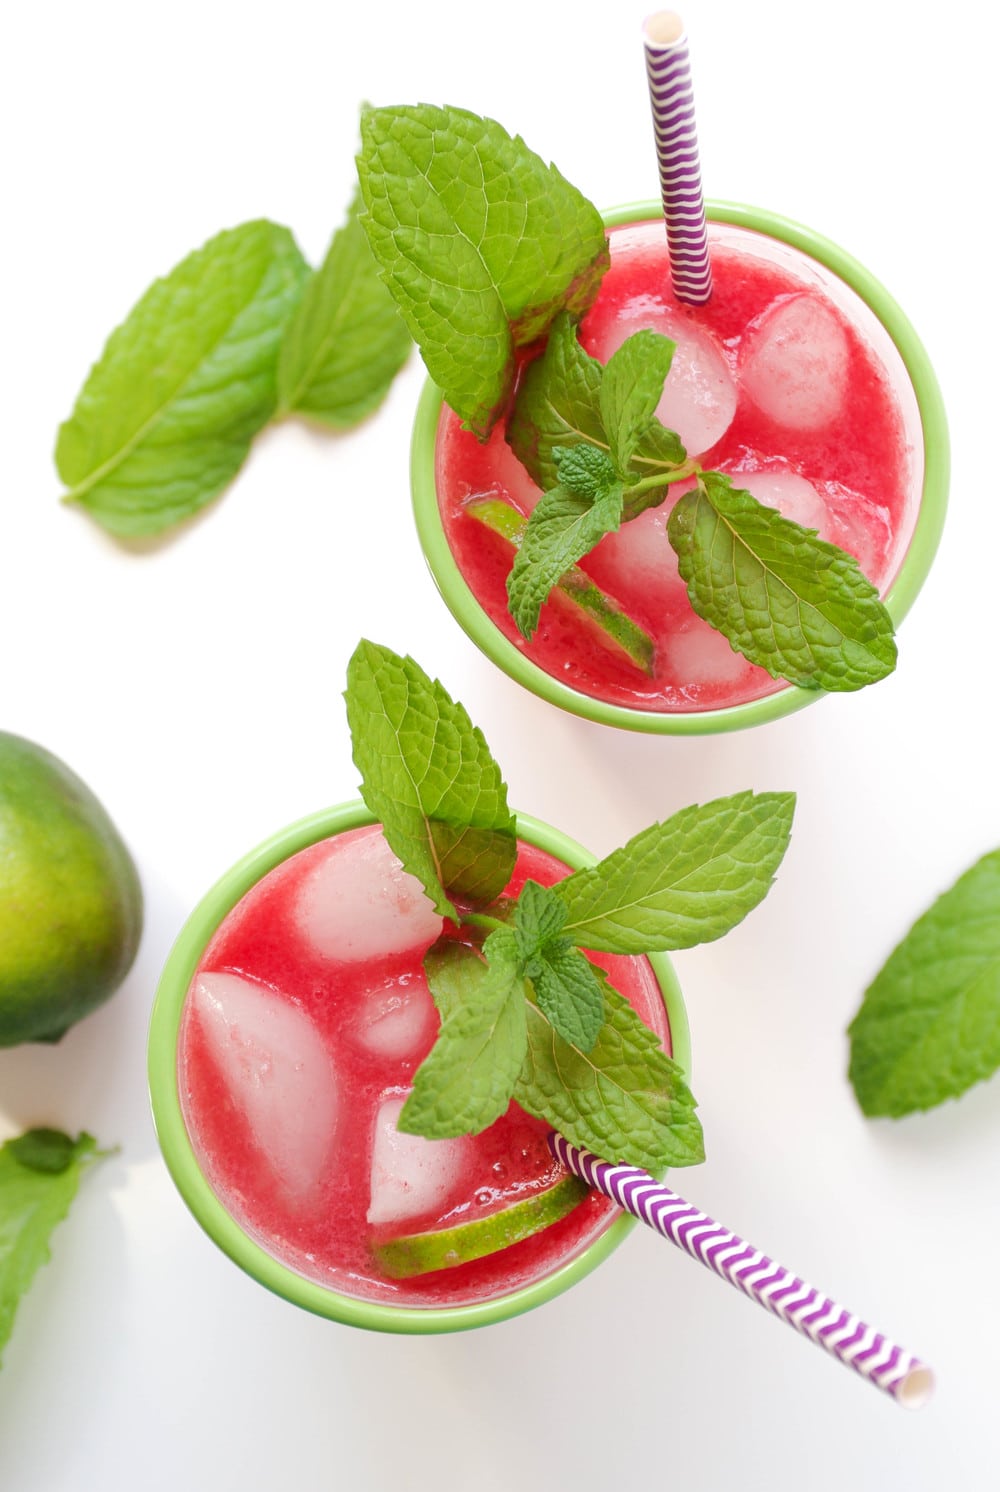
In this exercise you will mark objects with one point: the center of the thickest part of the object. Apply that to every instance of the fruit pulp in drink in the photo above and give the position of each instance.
(306, 1019)
(786, 382)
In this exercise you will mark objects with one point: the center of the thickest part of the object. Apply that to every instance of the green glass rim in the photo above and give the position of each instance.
(179, 1155)
(912, 572)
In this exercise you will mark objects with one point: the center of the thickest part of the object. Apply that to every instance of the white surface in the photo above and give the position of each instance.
(142, 1357)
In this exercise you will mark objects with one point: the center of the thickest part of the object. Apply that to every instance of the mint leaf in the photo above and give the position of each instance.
(785, 599)
(559, 404)
(167, 415)
(346, 341)
(563, 527)
(585, 471)
(539, 916)
(682, 882)
(429, 777)
(480, 243)
(568, 992)
(466, 1081)
(630, 391)
(566, 984)
(625, 1100)
(929, 1025)
(35, 1195)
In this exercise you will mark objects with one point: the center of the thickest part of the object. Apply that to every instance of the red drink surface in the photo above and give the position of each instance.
(327, 1236)
(850, 473)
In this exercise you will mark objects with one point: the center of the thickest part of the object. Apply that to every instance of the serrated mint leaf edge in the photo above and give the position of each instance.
(913, 1081)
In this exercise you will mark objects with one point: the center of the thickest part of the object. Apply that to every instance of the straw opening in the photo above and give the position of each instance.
(663, 29)
(915, 1388)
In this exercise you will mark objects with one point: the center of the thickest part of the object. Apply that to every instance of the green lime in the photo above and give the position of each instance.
(422, 1253)
(70, 899)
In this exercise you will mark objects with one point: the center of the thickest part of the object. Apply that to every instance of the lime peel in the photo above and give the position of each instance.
(445, 1248)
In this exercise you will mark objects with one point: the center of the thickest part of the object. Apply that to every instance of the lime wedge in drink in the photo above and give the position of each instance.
(422, 1253)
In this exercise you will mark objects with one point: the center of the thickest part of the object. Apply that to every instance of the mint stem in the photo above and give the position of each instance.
(649, 492)
(482, 919)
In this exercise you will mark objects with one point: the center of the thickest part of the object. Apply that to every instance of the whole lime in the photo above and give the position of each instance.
(70, 898)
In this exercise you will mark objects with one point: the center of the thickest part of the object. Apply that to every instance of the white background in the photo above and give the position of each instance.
(195, 685)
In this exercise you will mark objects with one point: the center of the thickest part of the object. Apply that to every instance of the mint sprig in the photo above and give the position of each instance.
(238, 332)
(929, 1025)
(561, 402)
(39, 1175)
(786, 599)
(480, 242)
(604, 422)
(526, 1014)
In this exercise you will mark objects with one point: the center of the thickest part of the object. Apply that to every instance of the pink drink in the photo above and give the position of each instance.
(298, 1041)
(785, 381)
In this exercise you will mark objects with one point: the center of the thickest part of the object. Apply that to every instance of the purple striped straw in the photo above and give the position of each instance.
(669, 73)
(844, 1336)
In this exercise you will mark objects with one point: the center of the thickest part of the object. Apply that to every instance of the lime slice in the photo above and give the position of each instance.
(614, 627)
(422, 1253)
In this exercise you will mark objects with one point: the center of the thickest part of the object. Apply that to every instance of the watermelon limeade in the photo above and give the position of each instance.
(305, 1020)
(785, 381)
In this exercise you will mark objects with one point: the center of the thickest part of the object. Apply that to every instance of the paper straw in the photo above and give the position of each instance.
(844, 1336)
(669, 74)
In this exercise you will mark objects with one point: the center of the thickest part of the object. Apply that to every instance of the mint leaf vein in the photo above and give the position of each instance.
(679, 883)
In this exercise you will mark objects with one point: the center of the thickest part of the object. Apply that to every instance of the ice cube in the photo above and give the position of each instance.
(791, 494)
(639, 559)
(699, 655)
(278, 1073)
(839, 515)
(359, 902)
(795, 363)
(510, 478)
(699, 395)
(397, 1020)
(411, 1175)
(861, 527)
